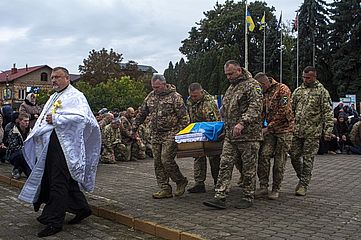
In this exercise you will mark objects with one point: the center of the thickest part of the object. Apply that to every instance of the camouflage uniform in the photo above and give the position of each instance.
(168, 115)
(355, 137)
(138, 150)
(277, 112)
(114, 150)
(127, 138)
(204, 110)
(242, 103)
(144, 134)
(312, 107)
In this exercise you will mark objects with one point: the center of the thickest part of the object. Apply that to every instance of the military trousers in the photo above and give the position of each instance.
(307, 149)
(165, 166)
(200, 168)
(246, 154)
(116, 152)
(276, 146)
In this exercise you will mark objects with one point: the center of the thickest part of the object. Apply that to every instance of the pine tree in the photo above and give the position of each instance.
(345, 46)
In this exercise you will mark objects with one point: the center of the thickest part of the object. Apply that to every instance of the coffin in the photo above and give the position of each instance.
(199, 149)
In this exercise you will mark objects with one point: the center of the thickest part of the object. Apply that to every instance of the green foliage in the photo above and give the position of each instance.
(220, 37)
(117, 93)
(329, 37)
(100, 66)
(43, 96)
(345, 47)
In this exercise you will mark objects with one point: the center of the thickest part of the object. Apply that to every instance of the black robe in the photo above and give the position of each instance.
(59, 191)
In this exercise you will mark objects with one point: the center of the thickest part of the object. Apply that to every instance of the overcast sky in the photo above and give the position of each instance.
(61, 33)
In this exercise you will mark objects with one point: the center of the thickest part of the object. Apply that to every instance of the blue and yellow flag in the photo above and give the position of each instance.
(249, 20)
(211, 130)
(263, 22)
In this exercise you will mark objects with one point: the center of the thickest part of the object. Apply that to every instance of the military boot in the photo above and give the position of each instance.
(244, 203)
(273, 195)
(181, 187)
(261, 192)
(162, 194)
(216, 203)
(197, 188)
(301, 191)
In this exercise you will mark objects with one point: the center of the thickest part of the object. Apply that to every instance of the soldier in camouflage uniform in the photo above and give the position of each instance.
(355, 138)
(242, 109)
(144, 134)
(312, 106)
(278, 124)
(127, 134)
(135, 147)
(106, 119)
(202, 108)
(114, 150)
(168, 115)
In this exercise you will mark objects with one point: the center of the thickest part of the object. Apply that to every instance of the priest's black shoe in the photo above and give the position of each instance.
(48, 231)
(36, 206)
(80, 216)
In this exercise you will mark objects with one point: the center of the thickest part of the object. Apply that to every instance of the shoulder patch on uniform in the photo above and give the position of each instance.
(259, 90)
(284, 100)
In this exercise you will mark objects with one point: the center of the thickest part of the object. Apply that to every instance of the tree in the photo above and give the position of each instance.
(220, 37)
(100, 66)
(345, 47)
(43, 96)
(131, 69)
(169, 74)
(118, 93)
(312, 30)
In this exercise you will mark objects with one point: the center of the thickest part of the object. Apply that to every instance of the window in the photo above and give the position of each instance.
(44, 76)
(22, 94)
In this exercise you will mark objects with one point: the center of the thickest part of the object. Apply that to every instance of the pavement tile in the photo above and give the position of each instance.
(330, 210)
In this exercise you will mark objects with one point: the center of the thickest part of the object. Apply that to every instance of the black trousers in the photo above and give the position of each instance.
(59, 191)
(17, 159)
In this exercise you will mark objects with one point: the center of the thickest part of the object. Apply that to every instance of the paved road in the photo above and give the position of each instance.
(330, 210)
(18, 222)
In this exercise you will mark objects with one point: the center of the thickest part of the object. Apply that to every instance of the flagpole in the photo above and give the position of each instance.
(245, 40)
(298, 49)
(281, 48)
(264, 45)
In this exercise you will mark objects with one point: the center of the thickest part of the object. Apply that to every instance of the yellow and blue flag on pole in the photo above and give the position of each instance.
(263, 22)
(249, 20)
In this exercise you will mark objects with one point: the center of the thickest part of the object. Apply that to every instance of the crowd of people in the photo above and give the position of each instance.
(344, 133)
(57, 147)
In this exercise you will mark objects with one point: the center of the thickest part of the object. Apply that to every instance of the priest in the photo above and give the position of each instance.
(63, 152)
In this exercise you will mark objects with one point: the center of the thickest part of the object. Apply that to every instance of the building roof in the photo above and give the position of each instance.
(20, 72)
(11, 75)
(143, 68)
(74, 77)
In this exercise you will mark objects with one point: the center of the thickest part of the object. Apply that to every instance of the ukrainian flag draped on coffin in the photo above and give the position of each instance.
(210, 129)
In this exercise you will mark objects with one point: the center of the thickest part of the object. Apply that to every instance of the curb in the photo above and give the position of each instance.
(151, 228)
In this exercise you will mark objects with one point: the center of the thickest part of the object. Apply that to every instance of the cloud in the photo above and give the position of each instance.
(60, 32)
(10, 34)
